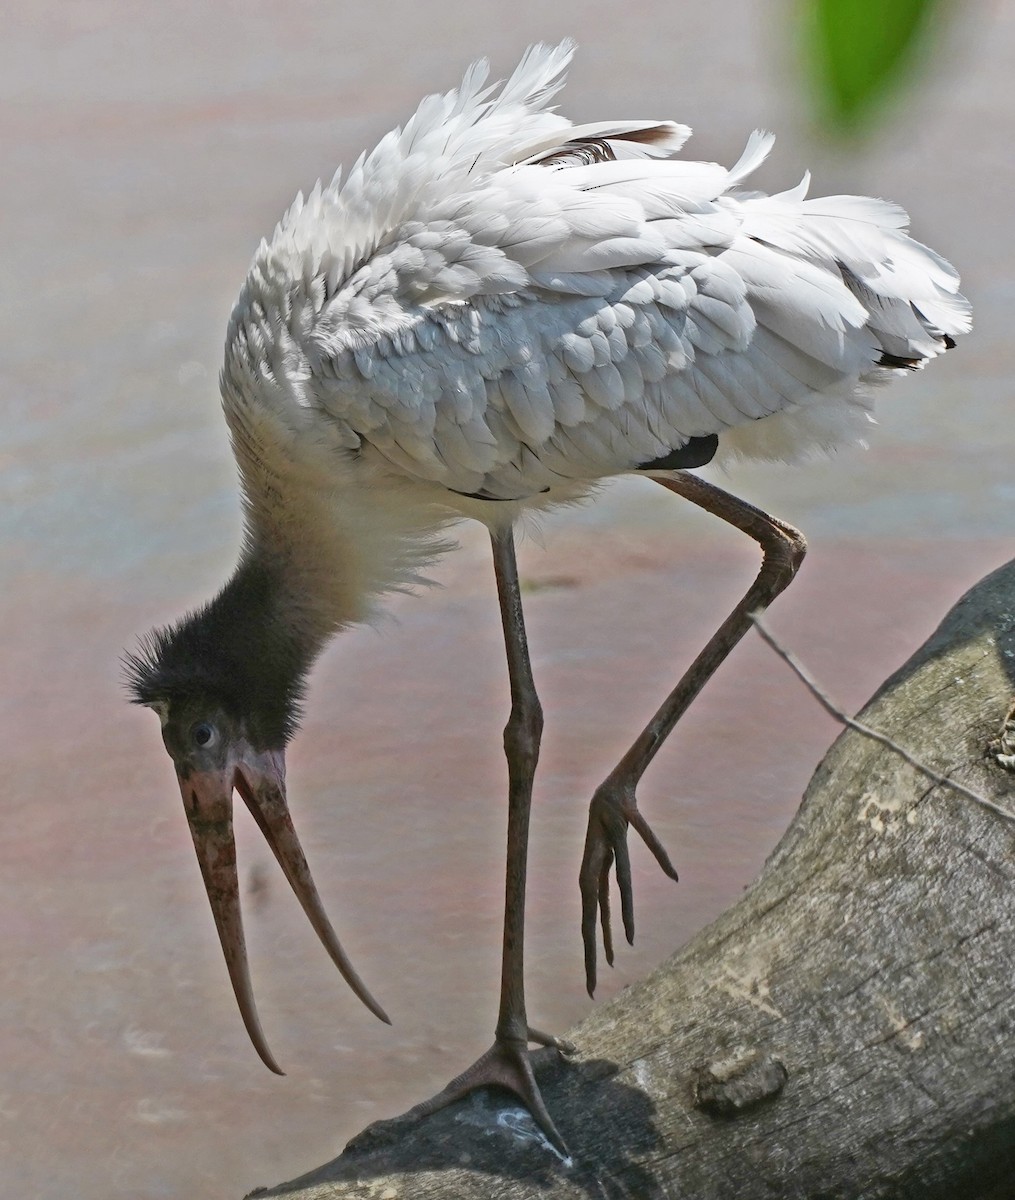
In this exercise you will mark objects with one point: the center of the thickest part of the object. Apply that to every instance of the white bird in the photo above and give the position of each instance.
(495, 310)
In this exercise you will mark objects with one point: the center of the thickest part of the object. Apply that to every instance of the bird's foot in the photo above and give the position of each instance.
(506, 1065)
(612, 810)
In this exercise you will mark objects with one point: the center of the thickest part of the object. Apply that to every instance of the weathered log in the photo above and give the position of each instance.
(844, 1030)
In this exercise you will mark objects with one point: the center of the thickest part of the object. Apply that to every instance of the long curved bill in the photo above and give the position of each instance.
(207, 798)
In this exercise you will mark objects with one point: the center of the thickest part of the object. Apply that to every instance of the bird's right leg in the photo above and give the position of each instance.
(614, 808)
(506, 1064)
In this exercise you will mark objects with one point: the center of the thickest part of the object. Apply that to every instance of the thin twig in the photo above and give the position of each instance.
(835, 711)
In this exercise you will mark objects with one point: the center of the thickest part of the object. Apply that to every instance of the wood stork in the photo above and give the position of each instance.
(492, 312)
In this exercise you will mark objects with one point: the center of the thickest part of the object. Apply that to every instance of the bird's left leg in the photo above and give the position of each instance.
(613, 806)
(506, 1064)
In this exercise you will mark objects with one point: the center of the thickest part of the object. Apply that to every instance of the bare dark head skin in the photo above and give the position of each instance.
(226, 717)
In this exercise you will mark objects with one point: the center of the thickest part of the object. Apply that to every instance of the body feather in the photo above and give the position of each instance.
(496, 303)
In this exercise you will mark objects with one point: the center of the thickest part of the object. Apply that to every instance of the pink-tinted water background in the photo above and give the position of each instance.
(145, 150)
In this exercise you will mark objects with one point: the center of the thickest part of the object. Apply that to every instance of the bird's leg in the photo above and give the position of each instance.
(613, 806)
(506, 1064)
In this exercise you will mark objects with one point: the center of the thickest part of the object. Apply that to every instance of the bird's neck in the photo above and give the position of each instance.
(334, 537)
(256, 596)
(334, 547)
(337, 553)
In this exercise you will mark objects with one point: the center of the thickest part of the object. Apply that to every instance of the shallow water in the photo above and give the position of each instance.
(143, 158)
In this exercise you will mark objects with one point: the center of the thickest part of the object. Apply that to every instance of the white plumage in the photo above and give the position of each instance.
(495, 310)
(496, 302)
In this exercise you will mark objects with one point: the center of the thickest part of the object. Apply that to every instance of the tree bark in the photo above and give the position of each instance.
(844, 1030)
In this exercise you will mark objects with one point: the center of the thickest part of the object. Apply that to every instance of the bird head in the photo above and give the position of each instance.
(226, 736)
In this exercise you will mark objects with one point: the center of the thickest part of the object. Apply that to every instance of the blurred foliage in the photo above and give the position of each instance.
(857, 52)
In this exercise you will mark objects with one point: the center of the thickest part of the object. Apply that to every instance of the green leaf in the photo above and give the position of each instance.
(858, 51)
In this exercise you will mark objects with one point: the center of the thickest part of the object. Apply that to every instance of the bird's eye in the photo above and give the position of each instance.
(203, 734)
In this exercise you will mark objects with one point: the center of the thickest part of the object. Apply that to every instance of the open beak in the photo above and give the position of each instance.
(208, 800)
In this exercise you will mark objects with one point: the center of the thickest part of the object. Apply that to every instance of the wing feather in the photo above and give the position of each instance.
(494, 300)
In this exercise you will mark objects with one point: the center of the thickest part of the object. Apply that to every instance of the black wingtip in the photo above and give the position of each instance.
(898, 362)
(695, 452)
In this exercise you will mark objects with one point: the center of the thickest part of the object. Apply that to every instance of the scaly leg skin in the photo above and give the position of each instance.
(506, 1064)
(614, 806)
